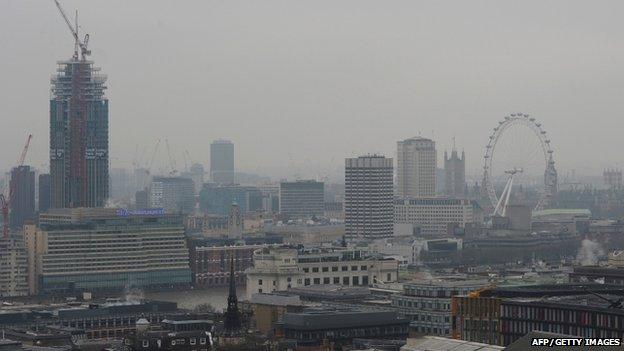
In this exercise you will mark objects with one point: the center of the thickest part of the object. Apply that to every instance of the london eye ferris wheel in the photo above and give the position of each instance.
(518, 153)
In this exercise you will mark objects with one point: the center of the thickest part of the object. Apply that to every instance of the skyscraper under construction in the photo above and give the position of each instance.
(78, 129)
(78, 135)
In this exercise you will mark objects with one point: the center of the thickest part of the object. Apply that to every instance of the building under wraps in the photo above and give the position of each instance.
(79, 157)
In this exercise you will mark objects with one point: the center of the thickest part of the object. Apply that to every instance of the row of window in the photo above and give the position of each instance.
(355, 280)
(335, 269)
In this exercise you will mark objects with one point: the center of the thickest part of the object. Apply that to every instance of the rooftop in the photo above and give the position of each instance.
(542, 290)
(436, 343)
(275, 300)
(334, 318)
(331, 292)
(578, 302)
(562, 211)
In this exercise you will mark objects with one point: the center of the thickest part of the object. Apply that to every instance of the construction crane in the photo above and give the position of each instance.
(188, 161)
(172, 163)
(6, 198)
(78, 44)
(151, 162)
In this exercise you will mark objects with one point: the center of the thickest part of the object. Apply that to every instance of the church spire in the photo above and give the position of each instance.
(232, 322)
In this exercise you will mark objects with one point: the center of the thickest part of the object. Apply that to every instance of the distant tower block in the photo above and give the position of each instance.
(416, 168)
(454, 174)
(612, 178)
(222, 162)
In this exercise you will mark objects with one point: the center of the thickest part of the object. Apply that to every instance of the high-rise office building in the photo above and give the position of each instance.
(222, 162)
(22, 202)
(218, 199)
(302, 199)
(368, 203)
(79, 157)
(174, 194)
(416, 168)
(454, 174)
(44, 192)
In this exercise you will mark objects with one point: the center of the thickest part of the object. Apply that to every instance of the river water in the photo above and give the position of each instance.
(188, 299)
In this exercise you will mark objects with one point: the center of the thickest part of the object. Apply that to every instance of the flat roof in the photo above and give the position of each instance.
(438, 343)
(336, 319)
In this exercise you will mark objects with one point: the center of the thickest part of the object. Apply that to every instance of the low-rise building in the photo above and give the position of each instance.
(503, 315)
(427, 304)
(281, 268)
(96, 319)
(180, 335)
(437, 216)
(338, 328)
(13, 267)
(606, 275)
(210, 261)
(269, 308)
(106, 249)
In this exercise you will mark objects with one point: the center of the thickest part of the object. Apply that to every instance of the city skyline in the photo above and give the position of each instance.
(418, 96)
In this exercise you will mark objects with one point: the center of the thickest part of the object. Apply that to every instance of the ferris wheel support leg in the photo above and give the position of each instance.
(507, 196)
(502, 197)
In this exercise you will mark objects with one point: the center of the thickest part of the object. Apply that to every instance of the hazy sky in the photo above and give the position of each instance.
(300, 85)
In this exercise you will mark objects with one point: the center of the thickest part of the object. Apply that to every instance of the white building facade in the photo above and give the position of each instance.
(436, 217)
(281, 268)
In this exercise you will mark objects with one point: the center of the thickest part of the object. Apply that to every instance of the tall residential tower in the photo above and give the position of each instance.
(416, 168)
(222, 161)
(22, 202)
(369, 208)
(79, 159)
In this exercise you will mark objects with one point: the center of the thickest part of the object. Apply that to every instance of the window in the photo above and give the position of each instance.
(202, 341)
(145, 343)
(325, 269)
(317, 281)
(336, 280)
(354, 268)
(335, 269)
(299, 281)
(306, 270)
(193, 341)
(259, 281)
(307, 281)
(345, 280)
(315, 269)
(356, 280)
(365, 280)
(362, 268)
(259, 291)
(389, 277)
(326, 280)
(288, 279)
(345, 268)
